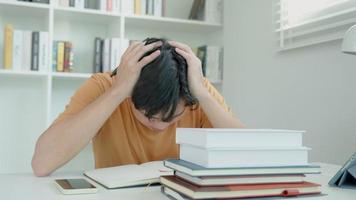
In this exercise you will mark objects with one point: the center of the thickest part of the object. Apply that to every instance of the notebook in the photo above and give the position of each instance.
(129, 175)
(239, 191)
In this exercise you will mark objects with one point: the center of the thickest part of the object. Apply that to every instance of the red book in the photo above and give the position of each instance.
(109, 5)
(239, 191)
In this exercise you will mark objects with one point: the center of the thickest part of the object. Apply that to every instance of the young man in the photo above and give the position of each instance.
(131, 115)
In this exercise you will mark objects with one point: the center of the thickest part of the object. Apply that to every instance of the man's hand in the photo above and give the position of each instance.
(130, 67)
(195, 74)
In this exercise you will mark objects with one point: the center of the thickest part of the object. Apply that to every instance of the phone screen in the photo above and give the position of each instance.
(74, 183)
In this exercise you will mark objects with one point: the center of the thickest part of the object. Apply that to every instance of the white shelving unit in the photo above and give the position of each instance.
(43, 95)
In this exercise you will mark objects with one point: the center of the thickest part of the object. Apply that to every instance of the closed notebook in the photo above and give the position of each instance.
(239, 191)
(129, 175)
(197, 170)
(236, 180)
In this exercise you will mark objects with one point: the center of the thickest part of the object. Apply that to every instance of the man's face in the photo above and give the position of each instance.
(155, 123)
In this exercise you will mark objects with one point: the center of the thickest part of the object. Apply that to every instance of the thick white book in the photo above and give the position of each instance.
(244, 157)
(26, 50)
(114, 53)
(43, 52)
(129, 175)
(17, 50)
(222, 137)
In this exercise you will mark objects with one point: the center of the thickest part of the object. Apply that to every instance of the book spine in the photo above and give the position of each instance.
(17, 50)
(164, 8)
(72, 3)
(26, 51)
(157, 8)
(106, 55)
(116, 6)
(35, 51)
(97, 55)
(103, 5)
(67, 52)
(8, 40)
(60, 57)
(109, 5)
(80, 4)
(54, 56)
(137, 7)
(43, 52)
(150, 7)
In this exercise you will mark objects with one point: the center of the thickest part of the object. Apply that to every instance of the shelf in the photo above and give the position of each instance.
(87, 15)
(5, 72)
(19, 8)
(166, 23)
(70, 75)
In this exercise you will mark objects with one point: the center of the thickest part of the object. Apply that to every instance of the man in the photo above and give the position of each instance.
(131, 115)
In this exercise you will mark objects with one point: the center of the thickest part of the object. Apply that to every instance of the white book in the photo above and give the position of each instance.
(43, 52)
(103, 6)
(157, 8)
(143, 7)
(128, 7)
(213, 11)
(26, 51)
(116, 6)
(114, 53)
(106, 55)
(212, 63)
(129, 175)
(17, 50)
(79, 4)
(221, 137)
(244, 157)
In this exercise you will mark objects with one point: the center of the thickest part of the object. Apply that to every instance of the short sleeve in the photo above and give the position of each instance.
(205, 123)
(88, 92)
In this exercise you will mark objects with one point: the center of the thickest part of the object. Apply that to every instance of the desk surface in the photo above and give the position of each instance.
(27, 186)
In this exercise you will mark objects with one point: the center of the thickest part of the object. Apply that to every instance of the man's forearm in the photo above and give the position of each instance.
(216, 114)
(62, 141)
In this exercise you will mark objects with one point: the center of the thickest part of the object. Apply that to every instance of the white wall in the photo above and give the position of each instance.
(311, 88)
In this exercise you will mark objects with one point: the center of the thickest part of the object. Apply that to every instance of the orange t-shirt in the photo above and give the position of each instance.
(123, 139)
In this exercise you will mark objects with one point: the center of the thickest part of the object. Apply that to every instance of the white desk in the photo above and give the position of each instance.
(27, 186)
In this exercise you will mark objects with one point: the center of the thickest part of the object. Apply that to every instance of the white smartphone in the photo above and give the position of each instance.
(75, 186)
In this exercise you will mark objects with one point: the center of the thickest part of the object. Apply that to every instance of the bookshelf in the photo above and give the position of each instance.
(41, 96)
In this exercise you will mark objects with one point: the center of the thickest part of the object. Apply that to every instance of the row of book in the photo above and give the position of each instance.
(103, 5)
(25, 50)
(239, 163)
(212, 61)
(145, 7)
(62, 56)
(107, 53)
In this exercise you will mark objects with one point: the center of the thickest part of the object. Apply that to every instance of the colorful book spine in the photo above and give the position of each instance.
(67, 56)
(60, 57)
(54, 56)
(8, 41)
(35, 51)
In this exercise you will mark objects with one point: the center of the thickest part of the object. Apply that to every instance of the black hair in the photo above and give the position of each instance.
(162, 83)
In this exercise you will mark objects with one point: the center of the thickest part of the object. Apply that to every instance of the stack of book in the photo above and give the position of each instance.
(112, 6)
(145, 7)
(239, 163)
(25, 50)
(63, 57)
(107, 53)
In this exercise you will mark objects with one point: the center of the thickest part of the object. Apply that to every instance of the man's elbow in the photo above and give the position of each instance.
(39, 168)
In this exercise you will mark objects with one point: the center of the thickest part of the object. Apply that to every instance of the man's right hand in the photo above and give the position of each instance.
(130, 67)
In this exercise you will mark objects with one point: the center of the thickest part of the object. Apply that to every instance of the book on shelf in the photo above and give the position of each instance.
(207, 10)
(62, 56)
(111, 6)
(197, 170)
(129, 175)
(145, 7)
(238, 191)
(107, 53)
